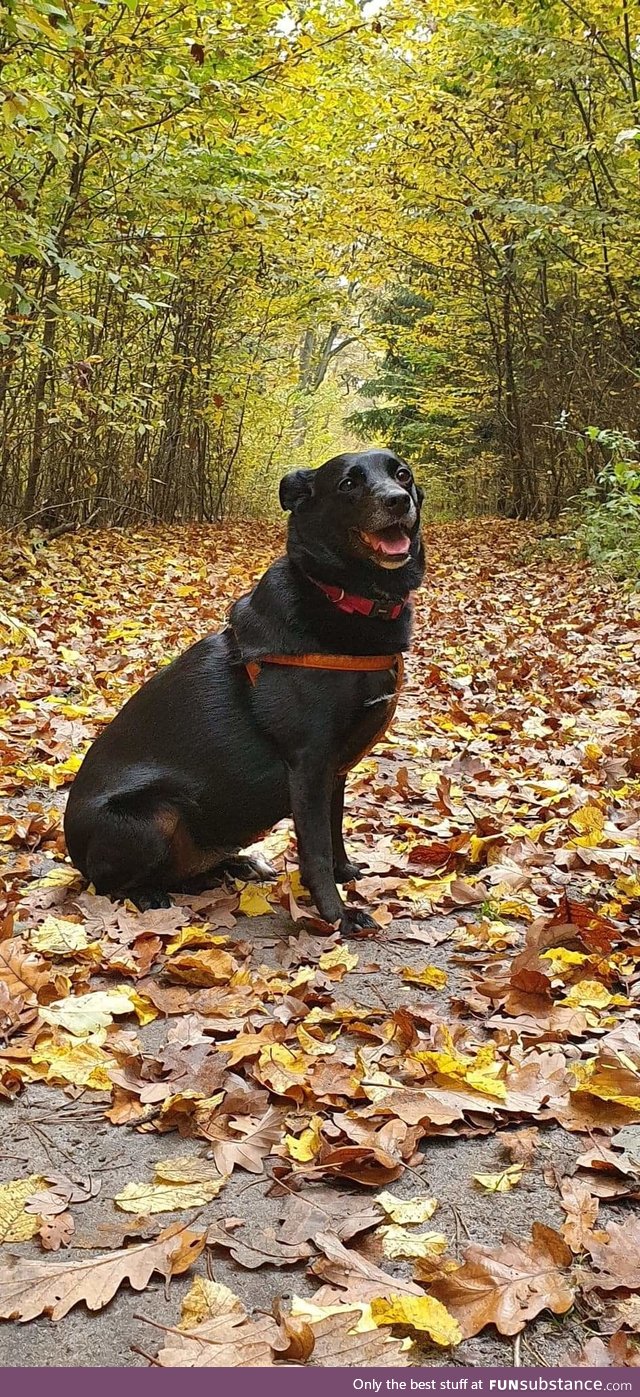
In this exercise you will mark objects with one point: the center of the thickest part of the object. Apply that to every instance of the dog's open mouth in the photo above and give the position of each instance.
(392, 542)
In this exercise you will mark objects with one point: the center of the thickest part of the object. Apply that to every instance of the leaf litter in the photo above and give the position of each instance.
(498, 827)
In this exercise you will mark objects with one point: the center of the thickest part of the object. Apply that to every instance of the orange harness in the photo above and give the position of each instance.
(350, 663)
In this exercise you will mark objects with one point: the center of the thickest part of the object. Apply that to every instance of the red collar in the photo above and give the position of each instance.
(363, 606)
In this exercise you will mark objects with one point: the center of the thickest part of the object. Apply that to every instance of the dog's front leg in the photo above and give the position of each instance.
(311, 789)
(344, 871)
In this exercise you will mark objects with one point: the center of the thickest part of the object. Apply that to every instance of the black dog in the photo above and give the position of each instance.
(216, 748)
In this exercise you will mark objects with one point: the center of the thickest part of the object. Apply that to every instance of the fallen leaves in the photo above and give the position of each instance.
(16, 1224)
(510, 1284)
(497, 827)
(424, 1314)
(31, 1288)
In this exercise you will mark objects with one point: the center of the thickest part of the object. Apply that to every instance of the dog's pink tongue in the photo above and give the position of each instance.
(390, 544)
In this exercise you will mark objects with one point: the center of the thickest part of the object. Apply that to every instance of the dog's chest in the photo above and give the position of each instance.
(373, 702)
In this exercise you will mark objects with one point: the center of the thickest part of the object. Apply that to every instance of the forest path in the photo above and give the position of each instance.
(498, 822)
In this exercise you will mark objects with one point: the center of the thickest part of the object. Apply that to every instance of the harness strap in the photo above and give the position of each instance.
(314, 661)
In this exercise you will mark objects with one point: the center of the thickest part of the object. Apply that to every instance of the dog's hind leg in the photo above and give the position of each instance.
(129, 855)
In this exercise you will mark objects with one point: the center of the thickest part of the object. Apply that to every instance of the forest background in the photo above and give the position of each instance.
(238, 238)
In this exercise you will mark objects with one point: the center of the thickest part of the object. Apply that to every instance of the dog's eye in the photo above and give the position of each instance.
(404, 476)
(347, 484)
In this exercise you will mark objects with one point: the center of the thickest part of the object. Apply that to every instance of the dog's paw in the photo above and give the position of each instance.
(151, 901)
(347, 872)
(249, 869)
(354, 922)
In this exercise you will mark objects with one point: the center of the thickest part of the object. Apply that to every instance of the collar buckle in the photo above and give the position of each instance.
(387, 610)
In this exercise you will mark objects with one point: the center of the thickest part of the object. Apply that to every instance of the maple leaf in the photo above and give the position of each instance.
(509, 1285)
(31, 1288)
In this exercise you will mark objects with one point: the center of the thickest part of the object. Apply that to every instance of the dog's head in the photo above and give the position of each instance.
(359, 506)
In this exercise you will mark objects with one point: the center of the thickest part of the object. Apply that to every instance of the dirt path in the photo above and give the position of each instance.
(498, 823)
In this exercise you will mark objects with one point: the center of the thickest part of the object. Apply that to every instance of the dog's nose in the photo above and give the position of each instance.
(398, 502)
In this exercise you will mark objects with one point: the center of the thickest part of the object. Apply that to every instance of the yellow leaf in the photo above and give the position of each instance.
(513, 907)
(58, 937)
(84, 1064)
(15, 1224)
(194, 936)
(306, 1309)
(562, 959)
(166, 1198)
(502, 1182)
(429, 976)
(254, 901)
(305, 1147)
(399, 1244)
(85, 1014)
(629, 884)
(56, 878)
(591, 994)
(407, 1210)
(339, 956)
(589, 819)
(605, 1083)
(204, 968)
(420, 1312)
(208, 1300)
(315, 1047)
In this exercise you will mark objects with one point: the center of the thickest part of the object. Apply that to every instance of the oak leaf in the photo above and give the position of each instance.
(251, 1141)
(32, 1288)
(509, 1285)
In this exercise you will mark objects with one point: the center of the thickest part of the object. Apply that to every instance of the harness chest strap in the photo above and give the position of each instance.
(348, 663)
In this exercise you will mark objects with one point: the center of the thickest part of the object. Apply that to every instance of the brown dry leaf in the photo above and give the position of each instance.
(615, 1254)
(336, 1346)
(357, 1277)
(31, 1288)
(229, 1341)
(582, 1212)
(324, 1209)
(520, 1145)
(510, 1284)
(56, 1232)
(27, 976)
(261, 1247)
(250, 1142)
(202, 968)
(621, 1351)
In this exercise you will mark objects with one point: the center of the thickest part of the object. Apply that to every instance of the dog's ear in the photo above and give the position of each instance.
(420, 494)
(296, 487)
